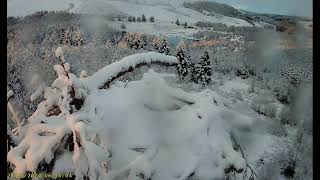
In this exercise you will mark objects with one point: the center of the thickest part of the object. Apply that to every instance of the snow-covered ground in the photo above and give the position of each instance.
(161, 12)
(165, 14)
(25, 7)
(146, 128)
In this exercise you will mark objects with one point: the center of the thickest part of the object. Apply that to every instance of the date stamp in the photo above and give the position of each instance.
(40, 175)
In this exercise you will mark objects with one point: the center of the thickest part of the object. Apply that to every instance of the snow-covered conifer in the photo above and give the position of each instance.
(123, 26)
(143, 18)
(164, 48)
(155, 43)
(151, 19)
(201, 72)
(183, 63)
(177, 22)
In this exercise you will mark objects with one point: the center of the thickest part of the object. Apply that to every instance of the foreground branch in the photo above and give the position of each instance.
(238, 147)
(104, 77)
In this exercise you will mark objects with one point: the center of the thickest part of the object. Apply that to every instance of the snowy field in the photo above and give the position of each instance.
(23, 8)
(165, 15)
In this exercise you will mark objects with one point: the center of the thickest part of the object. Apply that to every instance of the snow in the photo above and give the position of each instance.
(59, 53)
(36, 81)
(145, 114)
(38, 85)
(9, 94)
(64, 163)
(37, 93)
(149, 113)
(83, 74)
(144, 129)
(25, 7)
(181, 133)
(108, 72)
(164, 13)
(36, 147)
(237, 84)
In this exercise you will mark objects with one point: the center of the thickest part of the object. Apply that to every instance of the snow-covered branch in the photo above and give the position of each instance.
(105, 76)
(9, 95)
(13, 112)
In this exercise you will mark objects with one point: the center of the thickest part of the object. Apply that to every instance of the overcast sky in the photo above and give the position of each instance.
(288, 7)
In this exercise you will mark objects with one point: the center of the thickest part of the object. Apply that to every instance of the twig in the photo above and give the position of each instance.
(242, 154)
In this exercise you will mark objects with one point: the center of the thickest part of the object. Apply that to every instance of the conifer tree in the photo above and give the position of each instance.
(123, 26)
(201, 72)
(177, 22)
(164, 48)
(183, 63)
(143, 18)
(151, 19)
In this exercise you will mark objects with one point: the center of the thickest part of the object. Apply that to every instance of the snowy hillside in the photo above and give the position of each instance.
(162, 11)
(23, 7)
(165, 14)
